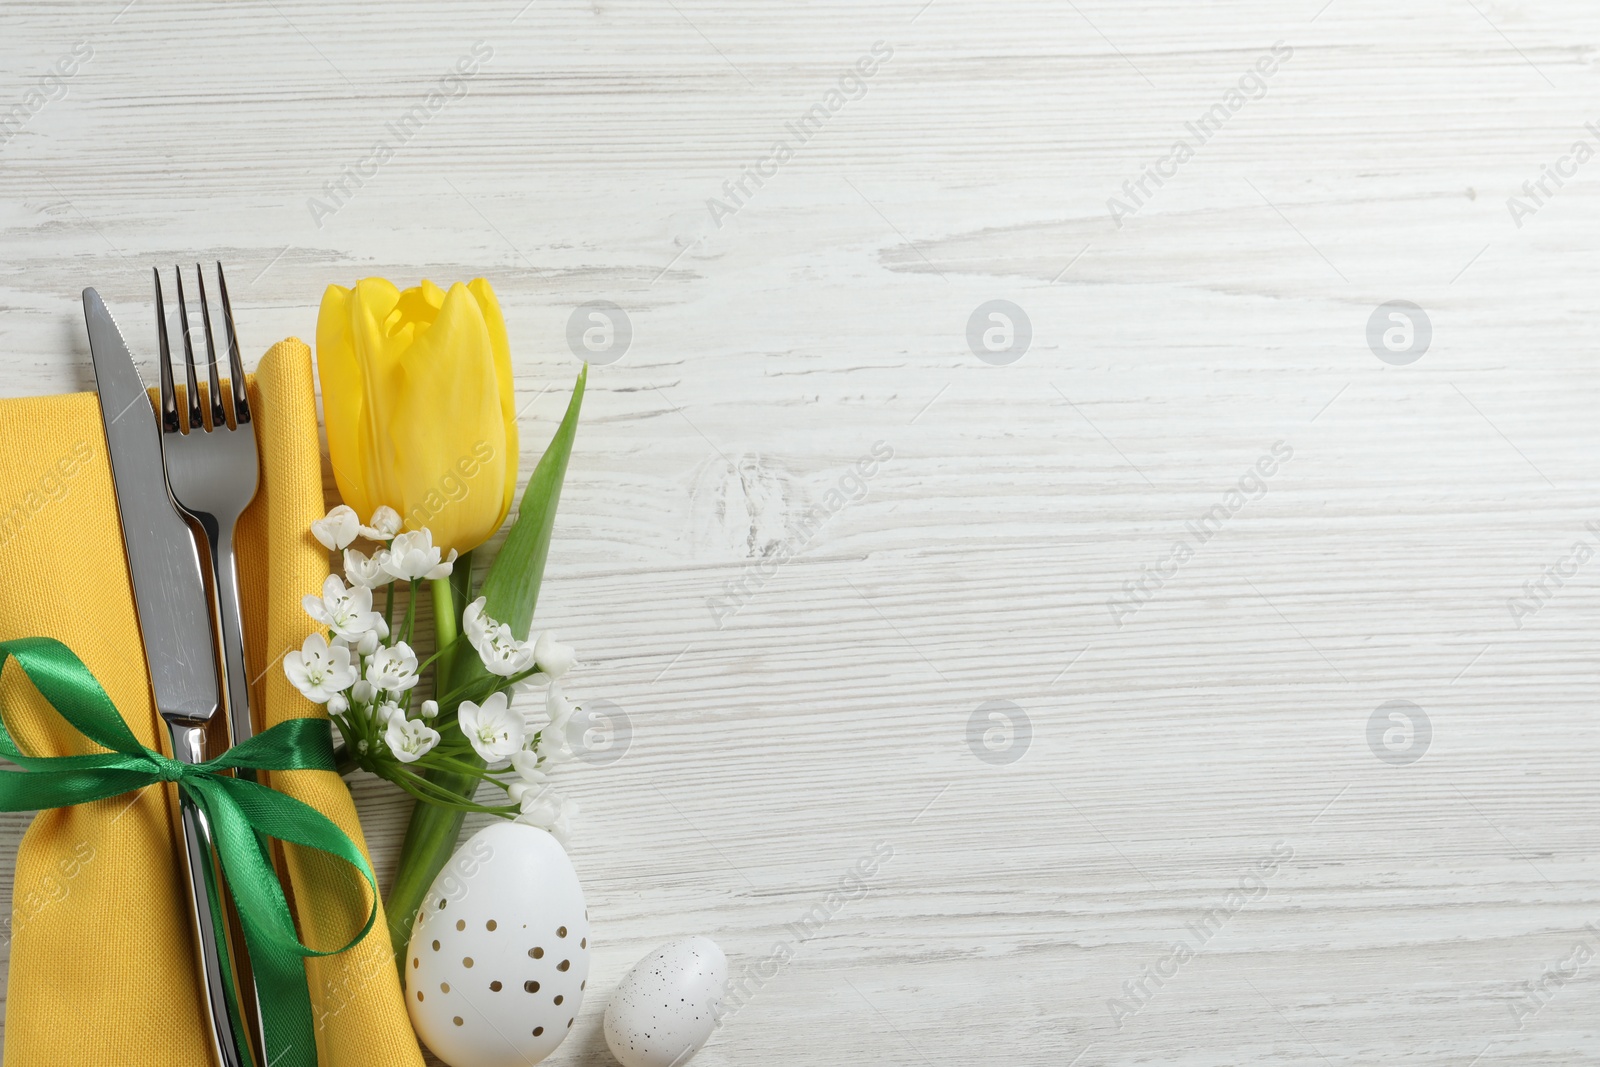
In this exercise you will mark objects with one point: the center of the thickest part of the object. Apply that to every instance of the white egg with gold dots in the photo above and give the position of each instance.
(499, 957)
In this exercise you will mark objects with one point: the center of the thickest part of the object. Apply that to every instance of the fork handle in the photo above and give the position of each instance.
(230, 627)
(230, 624)
(188, 746)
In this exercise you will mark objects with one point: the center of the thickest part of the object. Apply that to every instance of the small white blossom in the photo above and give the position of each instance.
(495, 731)
(548, 811)
(475, 621)
(338, 528)
(388, 711)
(384, 525)
(338, 704)
(506, 658)
(518, 790)
(555, 738)
(409, 739)
(363, 645)
(554, 658)
(501, 653)
(531, 776)
(413, 556)
(529, 769)
(558, 707)
(393, 668)
(347, 612)
(430, 709)
(363, 692)
(366, 571)
(554, 745)
(531, 684)
(319, 670)
(476, 624)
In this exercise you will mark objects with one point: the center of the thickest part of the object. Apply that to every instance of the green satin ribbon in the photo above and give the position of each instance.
(242, 815)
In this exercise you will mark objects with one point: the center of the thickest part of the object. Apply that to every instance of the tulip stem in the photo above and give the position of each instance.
(430, 840)
(444, 630)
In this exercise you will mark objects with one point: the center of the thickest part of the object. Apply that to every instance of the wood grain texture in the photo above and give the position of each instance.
(1217, 734)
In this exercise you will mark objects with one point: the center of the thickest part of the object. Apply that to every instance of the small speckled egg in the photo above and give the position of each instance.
(666, 1007)
(499, 957)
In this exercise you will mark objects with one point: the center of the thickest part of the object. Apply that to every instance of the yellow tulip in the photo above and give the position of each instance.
(417, 396)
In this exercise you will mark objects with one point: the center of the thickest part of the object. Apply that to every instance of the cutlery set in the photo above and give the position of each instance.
(190, 469)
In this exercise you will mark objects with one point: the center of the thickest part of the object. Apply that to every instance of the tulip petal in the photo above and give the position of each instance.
(378, 347)
(446, 430)
(501, 344)
(420, 305)
(343, 398)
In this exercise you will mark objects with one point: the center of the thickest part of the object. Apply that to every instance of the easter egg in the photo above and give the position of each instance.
(666, 1007)
(499, 956)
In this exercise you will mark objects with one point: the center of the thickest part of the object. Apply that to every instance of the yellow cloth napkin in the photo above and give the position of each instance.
(102, 963)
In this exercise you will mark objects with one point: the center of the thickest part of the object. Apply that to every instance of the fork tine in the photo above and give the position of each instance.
(219, 410)
(196, 415)
(241, 398)
(169, 397)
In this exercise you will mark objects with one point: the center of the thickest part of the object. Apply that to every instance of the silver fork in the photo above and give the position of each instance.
(212, 472)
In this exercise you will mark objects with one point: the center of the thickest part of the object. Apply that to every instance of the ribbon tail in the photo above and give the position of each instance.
(285, 999)
(219, 927)
(276, 956)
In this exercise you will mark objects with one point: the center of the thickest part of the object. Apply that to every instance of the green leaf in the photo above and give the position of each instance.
(512, 585)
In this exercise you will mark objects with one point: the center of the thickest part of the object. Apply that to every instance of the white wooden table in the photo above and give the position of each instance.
(1198, 718)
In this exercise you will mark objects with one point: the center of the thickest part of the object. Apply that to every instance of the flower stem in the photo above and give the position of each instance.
(411, 610)
(445, 762)
(467, 689)
(425, 664)
(425, 789)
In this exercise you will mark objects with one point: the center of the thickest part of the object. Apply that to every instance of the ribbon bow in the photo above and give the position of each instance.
(242, 814)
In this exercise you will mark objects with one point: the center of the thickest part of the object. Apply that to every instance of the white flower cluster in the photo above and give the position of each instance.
(409, 557)
(366, 679)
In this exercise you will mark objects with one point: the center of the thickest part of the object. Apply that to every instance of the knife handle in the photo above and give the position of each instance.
(188, 746)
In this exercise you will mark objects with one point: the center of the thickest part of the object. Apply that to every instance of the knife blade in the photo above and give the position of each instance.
(163, 559)
(174, 625)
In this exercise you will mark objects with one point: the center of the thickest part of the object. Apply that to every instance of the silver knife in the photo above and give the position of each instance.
(174, 622)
